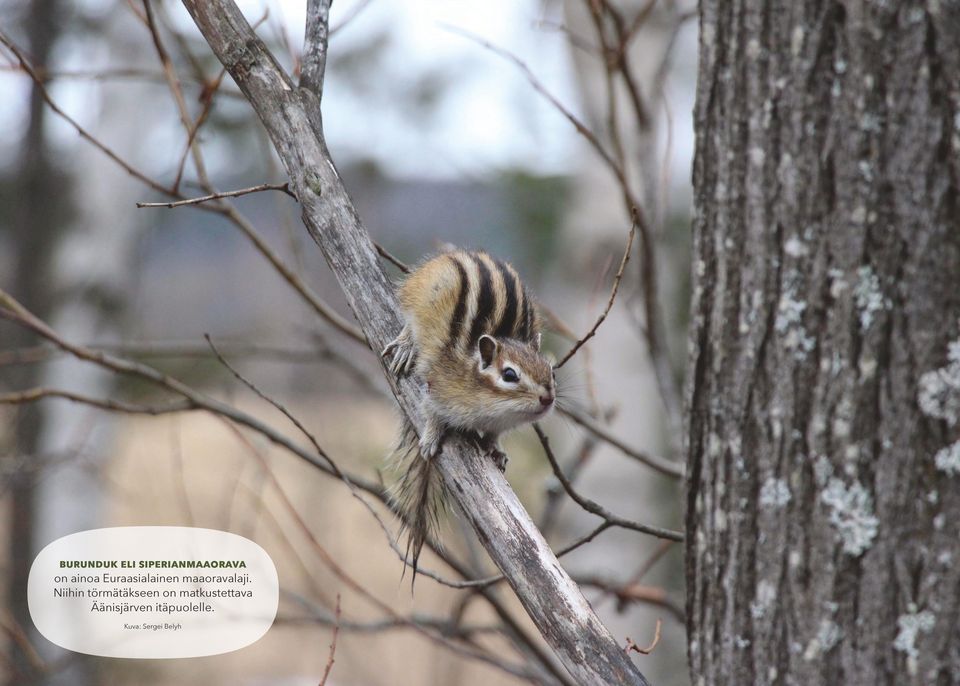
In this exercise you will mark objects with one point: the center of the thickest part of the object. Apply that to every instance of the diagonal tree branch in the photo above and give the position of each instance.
(291, 117)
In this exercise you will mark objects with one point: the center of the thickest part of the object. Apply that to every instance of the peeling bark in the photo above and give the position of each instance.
(824, 496)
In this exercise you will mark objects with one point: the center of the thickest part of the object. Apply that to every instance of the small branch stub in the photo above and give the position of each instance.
(633, 647)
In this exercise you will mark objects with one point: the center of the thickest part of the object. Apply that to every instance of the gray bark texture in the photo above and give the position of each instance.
(823, 442)
(291, 116)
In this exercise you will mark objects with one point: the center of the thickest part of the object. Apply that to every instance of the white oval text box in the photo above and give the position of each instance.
(227, 604)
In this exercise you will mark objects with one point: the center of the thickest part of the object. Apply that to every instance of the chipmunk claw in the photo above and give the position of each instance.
(402, 352)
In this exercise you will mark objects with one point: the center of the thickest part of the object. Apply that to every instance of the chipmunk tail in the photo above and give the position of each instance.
(418, 497)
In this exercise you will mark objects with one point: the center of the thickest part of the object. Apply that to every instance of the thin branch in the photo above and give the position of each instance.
(662, 465)
(618, 57)
(283, 410)
(207, 97)
(595, 508)
(628, 594)
(385, 254)
(613, 294)
(352, 14)
(175, 91)
(140, 75)
(581, 128)
(285, 187)
(36, 394)
(181, 349)
(637, 23)
(333, 643)
(319, 306)
(662, 549)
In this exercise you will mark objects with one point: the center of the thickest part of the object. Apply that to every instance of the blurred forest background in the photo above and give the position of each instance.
(440, 139)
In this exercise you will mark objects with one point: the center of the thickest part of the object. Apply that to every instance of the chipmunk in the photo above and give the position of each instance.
(472, 334)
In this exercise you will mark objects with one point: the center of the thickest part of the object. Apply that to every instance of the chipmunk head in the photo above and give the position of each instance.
(519, 377)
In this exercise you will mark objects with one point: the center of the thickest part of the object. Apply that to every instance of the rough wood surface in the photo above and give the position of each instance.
(824, 398)
(291, 116)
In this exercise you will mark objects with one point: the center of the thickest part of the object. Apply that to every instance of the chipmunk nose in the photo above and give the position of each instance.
(546, 400)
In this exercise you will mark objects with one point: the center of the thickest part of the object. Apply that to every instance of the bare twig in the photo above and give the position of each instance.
(662, 549)
(581, 128)
(285, 187)
(175, 91)
(554, 491)
(664, 466)
(595, 508)
(617, 56)
(180, 349)
(385, 254)
(283, 410)
(35, 394)
(352, 14)
(333, 643)
(613, 294)
(630, 593)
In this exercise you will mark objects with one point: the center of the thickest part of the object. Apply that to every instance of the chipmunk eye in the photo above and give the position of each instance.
(510, 375)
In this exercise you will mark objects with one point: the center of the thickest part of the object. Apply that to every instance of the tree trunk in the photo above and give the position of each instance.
(824, 392)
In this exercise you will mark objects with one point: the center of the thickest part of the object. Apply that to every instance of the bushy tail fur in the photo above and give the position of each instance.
(418, 496)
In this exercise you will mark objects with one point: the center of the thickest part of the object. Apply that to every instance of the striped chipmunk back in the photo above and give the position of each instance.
(456, 297)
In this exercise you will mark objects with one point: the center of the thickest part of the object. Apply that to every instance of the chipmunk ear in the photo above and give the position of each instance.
(537, 340)
(487, 345)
